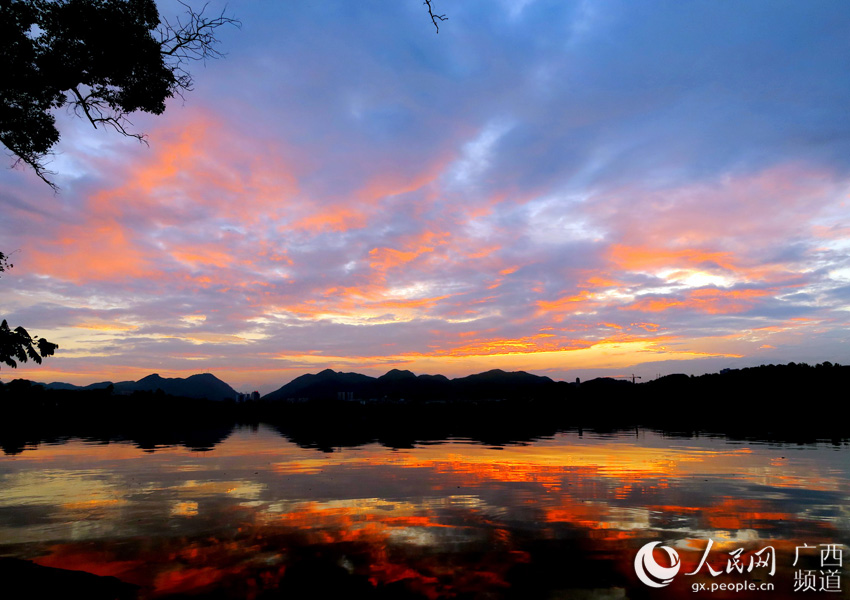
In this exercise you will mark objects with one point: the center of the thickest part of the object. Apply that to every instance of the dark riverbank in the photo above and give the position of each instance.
(785, 402)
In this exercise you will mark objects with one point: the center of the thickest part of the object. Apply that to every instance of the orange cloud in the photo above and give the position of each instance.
(193, 170)
(387, 258)
(103, 325)
(388, 184)
(775, 203)
(206, 255)
(99, 251)
(707, 300)
(533, 343)
(565, 304)
(196, 164)
(637, 258)
(370, 300)
(331, 218)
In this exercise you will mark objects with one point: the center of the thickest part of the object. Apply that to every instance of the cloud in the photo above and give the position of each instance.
(540, 186)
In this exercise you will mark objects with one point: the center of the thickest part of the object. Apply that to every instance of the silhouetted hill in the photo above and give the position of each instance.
(770, 402)
(397, 375)
(323, 385)
(434, 378)
(500, 385)
(606, 384)
(204, 386)
(58, 385)
(404, 385)
(772, 396)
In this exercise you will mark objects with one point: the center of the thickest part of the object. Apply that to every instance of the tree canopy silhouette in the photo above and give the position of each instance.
(104, 59)
(16, 345)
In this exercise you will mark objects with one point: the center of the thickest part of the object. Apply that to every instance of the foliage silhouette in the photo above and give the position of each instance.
(16, 345)
(104, 59)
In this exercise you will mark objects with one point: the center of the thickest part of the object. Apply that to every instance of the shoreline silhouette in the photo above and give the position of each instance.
(331, 409)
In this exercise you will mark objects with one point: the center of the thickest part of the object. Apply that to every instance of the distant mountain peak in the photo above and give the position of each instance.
(399, 384)
(398, 374)
(200, 385)
(151, 377)
(208, 376)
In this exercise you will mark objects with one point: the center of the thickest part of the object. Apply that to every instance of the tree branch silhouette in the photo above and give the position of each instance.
(102, 59)
(16, 345)
(434, 16)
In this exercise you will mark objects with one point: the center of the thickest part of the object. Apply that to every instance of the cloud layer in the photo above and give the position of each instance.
(568, 188)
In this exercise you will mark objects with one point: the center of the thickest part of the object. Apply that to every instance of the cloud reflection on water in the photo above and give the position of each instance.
(436, 520)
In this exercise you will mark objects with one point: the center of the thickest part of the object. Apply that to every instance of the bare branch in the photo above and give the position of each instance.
(34, 160)
(435, 17)
(95, 90)
(81, 102)
(192, 37)
(97, 110)
(188, 38)
(40, 170)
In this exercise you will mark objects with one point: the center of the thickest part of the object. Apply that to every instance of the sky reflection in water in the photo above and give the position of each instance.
(449, 519)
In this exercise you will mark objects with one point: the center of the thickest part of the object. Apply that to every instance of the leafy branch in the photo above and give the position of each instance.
(16, 345)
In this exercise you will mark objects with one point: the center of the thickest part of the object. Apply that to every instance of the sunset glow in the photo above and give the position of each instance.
(444, 519)
(573, 189)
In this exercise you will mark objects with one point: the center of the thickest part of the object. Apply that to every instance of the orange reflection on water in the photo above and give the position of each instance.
(441, 520)
(479, 463)
(744, 513)
(104, 562)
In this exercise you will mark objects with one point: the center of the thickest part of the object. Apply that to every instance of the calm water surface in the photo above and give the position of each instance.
(560, 517)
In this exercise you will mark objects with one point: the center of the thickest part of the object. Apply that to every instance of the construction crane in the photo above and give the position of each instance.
(632, 377)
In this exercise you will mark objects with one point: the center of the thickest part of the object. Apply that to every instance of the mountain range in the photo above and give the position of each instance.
(797, 380)
(202, 386)
(404, 385)
(331, 385)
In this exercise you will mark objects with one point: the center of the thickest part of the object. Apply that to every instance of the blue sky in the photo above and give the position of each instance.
(569, 188)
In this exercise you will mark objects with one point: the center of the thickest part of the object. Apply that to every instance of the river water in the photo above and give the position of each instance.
(257, 516)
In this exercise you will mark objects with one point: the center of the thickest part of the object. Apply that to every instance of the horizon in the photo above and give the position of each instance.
(570, 190)
(276, 387)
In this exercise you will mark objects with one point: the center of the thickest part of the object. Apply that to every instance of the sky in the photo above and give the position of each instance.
(570, 188)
